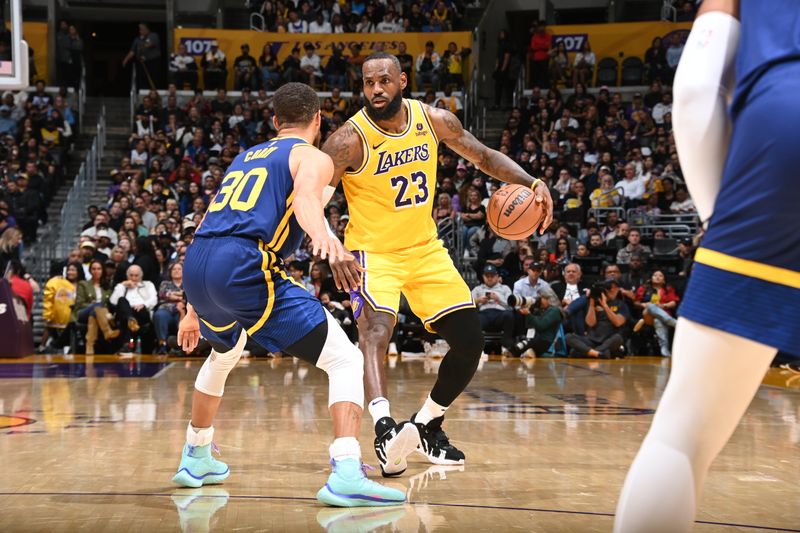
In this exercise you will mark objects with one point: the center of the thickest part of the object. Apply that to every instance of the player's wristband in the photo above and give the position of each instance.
(536, 182)
(328, 227)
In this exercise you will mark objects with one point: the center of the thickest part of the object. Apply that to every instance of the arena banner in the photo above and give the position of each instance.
(198, 41)
(35, 33)
(618, 40)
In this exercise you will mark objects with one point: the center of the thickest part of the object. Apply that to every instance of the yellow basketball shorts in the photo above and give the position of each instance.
(425, 274)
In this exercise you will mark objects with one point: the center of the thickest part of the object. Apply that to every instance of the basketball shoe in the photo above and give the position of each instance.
(348, 486)
(435, 445)
(363, 519)
(393, 444)
(196, 507)
(199, 468)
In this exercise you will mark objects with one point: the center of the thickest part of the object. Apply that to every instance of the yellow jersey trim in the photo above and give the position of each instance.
(364, 148)
(282, 137)
(265, 266)
(302, 144)
(751, 269)
(218, 329)
(410, 120)
(429, 122)
(290, 279)
(283, 225)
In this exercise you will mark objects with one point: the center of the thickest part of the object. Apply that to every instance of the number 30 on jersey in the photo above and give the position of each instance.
(406, 198)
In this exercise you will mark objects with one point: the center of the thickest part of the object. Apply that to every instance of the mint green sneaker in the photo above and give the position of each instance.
(199, 468)
(348, 486)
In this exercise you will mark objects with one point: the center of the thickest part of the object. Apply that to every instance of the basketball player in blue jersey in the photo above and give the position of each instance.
(385, 156)
(237, 287)
(742, 174)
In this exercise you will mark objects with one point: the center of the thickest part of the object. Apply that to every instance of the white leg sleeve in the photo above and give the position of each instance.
(703, 82)
(344, 365)
(214, 372)
(714, 377)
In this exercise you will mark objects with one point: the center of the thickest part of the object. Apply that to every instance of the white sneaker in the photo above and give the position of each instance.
(393, 349)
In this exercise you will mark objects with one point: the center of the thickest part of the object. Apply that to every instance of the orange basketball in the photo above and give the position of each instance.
(513, 212)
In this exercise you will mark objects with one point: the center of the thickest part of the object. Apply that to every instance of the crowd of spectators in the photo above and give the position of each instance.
(552, 65)
(36, 132)
(341, 69)
(612, 168)
(359, 16)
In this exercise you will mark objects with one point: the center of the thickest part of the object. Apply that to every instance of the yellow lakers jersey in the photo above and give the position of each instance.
(390, 196)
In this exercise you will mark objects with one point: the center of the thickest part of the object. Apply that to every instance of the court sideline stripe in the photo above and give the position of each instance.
(432, 504)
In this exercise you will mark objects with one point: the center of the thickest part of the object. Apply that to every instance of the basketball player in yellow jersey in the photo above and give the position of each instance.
(386, 157)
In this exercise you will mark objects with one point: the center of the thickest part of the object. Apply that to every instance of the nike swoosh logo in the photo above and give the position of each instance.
(375, 147)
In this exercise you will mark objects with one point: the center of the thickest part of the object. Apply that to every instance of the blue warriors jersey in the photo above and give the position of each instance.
(255, 199)
(770, 35)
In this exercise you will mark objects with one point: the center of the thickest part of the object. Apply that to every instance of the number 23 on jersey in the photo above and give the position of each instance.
(406, 198)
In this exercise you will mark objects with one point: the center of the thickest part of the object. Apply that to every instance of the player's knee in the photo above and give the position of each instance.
(376, 332)
(214, 372)
(344, 364)
(462, 331)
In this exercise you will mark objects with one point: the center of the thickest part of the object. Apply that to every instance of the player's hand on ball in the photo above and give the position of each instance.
(189, 332)
(543, 197)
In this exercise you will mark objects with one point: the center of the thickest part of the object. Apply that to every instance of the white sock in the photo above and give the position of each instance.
(345, 448)
(429, 411)
(378, 408)
(199, 436)
(695, 418)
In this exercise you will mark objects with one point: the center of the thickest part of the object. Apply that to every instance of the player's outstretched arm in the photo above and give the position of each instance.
(703, 82)
(312, 171)
(498, 165)
(345, 150)
(189, 330)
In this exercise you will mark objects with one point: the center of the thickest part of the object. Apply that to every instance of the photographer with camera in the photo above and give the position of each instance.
(543, 315)
(606, 316)
(491, 298)
(527, 287)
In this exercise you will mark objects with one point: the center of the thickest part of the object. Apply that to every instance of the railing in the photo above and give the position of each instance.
(57, 240)
(471, 102)
(519, 86)
(601, 213)
(133, 95)
(257, 18)
(668, 11)
(82, 98)
(638, 217)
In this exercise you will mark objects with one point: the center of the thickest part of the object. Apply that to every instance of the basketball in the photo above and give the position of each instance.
(513, 212)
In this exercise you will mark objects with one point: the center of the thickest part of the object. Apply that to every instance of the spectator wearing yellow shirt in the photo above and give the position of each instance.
(57, 302)
(454, 61)
(606, 195)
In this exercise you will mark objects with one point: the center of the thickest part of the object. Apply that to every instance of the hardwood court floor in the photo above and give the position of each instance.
(91, 444)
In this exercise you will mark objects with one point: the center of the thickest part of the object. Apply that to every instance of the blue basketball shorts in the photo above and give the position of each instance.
(235, 283)
(746, 276)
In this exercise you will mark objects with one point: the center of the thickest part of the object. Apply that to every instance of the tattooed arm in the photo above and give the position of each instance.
(345, 149)
(497, 165)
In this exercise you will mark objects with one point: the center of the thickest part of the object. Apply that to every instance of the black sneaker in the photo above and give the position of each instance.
(397, 442)
(435, 445)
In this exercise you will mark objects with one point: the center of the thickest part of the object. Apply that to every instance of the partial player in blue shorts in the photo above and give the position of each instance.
(236, 284)
(741, 165)
(237, 287)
